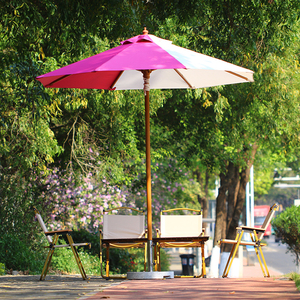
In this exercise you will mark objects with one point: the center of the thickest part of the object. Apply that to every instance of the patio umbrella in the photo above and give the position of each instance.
(143, 62)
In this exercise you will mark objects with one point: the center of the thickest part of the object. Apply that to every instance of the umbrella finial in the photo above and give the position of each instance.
(145, 31)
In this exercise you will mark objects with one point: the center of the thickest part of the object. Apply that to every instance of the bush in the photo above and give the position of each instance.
(17, 255)
(63, 260)
(83, 236)
(2, 269)
(287, 226)
(132, 260)
(164, 260)
(122, 261)
(296, 278)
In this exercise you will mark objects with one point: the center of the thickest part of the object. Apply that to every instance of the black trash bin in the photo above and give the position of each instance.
(187, 263)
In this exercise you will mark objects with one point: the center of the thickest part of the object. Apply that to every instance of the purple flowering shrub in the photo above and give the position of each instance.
(78, 201)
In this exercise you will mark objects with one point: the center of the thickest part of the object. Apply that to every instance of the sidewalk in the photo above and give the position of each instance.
(252, 286)
(67, 287)
(248, 271)
(206, 288)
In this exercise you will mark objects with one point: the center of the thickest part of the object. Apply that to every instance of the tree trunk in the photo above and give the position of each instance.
(232, 190)
(220, 209)
(204, 186)
(237, 208)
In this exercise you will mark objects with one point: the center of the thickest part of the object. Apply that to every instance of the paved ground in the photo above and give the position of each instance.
(54, 287)
(251, 286)
(73, 287)
(208, 288)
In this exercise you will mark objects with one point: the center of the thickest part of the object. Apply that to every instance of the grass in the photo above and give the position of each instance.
(296, 278)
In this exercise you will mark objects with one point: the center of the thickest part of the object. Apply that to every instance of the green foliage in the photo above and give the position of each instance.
(84, 236)
(19, 192)
(287, 226)
(103, 132)
(296, 278)
(2, 269)
(63, 260)
(122, 261)
(173, 185)
(286, 196)
(17, 255)
(164, 260)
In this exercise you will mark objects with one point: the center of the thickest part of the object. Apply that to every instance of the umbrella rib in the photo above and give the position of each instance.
(238, 75)
(176, 70)
(59, 79)
(117, 78)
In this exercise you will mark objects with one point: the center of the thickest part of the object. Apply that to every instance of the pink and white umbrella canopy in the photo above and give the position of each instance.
(172, 67)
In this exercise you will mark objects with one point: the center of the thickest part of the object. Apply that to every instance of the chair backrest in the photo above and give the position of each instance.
(123, 226)
(40, 219)
(181, 225)
(267, 220)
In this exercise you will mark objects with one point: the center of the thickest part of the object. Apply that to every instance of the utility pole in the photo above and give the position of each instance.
(250, 199)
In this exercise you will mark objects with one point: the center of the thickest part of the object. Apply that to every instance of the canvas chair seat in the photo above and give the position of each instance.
(180, 231)
(122, 231)
(256, 235)
(52, 238)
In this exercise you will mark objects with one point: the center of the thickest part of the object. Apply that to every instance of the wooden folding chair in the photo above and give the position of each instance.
(52, 237)
(256, 235)
(180, 231)
(123, 232)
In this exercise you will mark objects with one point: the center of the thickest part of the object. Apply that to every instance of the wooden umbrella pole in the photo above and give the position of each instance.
(146, 76)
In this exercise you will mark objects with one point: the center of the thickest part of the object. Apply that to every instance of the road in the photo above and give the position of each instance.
(277, 258)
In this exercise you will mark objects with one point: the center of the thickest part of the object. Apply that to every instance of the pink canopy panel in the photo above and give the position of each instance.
(172, 67)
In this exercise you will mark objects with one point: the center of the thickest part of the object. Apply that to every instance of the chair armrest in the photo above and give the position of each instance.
(247, 228)
(242, 243)
(66, 231)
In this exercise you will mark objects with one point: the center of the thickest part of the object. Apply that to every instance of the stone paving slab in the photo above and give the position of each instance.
(57, 287)
(202, 288)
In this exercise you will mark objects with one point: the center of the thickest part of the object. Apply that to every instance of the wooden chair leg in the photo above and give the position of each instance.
(145, 257)
(77, 258)
(49, 258)
(158, 258)
(261, 259)
(107, 261)
(47, 264)
(155, 257)
(232, 253)
(203, 261)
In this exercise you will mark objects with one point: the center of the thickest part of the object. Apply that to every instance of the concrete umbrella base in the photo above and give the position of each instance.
(150, 275)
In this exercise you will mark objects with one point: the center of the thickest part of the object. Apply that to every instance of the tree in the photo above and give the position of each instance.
(287, 226)
(246, 111)
(210, 131)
